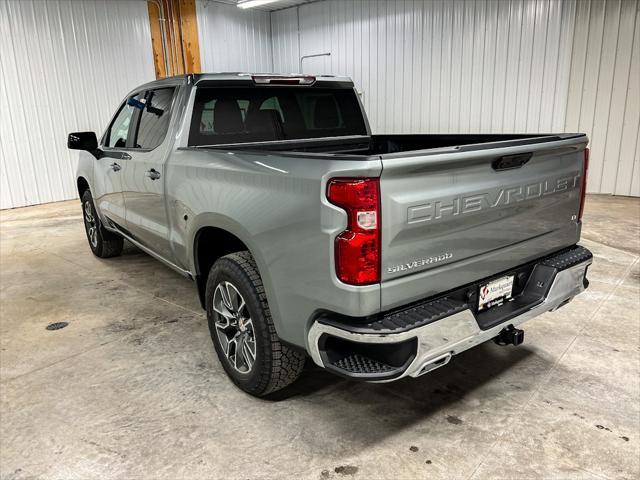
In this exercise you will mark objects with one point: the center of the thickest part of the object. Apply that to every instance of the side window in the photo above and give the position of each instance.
(244, 106)
(119, 130)
(154, 121)
(321, 112)
(272, 103)
(207, 121)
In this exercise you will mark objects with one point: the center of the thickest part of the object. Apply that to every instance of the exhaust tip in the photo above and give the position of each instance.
(434, 363)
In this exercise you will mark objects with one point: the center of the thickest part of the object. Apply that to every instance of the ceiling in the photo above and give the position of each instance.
(270, 7)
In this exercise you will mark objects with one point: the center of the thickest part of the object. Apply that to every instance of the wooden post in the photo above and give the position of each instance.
(189, 23)
(181, 33)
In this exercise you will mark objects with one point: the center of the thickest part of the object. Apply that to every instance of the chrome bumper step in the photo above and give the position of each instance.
(405, 319)
(439, 328)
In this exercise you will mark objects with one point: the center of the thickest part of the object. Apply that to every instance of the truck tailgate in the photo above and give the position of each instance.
(453, 216)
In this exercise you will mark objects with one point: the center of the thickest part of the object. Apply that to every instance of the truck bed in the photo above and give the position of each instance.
(399, 145)
(456, 208)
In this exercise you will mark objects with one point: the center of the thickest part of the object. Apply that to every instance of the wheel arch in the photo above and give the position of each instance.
(214, 240)
(82, 185)
(209, 244)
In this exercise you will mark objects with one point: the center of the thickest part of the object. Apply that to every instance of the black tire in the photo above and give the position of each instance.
(276, 365)
(103, 243)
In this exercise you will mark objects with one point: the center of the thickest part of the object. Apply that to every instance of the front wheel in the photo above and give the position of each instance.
(103, 243)
(242, 329)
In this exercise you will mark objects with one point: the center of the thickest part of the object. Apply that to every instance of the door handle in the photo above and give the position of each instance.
(115, 167)
(125, 156)
(153, 174)
(509, 162)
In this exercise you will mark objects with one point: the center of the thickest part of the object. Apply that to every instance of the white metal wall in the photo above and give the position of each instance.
(232, 39)
(484, 66)
(422, 66)
(64, 66)
(441, 66)
(604, 92)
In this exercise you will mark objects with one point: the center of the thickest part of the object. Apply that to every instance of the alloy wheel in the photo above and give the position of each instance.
(91, 224)
(234, 327)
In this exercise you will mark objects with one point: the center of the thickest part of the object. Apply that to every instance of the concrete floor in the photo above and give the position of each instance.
(131, 388)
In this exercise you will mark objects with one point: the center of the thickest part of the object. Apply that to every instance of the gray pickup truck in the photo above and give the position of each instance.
(379, 256)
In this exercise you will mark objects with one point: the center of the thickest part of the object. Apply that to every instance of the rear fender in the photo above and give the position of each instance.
(225, 223)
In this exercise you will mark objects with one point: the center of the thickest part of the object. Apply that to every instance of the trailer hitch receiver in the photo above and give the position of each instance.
(510, 336)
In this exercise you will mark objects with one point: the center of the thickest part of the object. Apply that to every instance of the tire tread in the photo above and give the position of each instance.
(109, 244)
(284, 364)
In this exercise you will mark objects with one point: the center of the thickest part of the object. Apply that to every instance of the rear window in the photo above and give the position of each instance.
(257, 114)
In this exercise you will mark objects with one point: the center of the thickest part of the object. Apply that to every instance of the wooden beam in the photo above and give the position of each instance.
(170, 34)
(190, 41)
(156, 40)
(181, 33)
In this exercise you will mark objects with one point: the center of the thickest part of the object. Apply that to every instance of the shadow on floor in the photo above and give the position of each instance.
(466, 372)
(364, 414)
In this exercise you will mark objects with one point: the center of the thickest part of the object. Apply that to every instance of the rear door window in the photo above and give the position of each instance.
(154, 118)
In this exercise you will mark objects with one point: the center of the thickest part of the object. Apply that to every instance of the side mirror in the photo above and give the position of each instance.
(82, 141)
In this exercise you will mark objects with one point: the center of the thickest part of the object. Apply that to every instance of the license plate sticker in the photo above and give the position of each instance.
(495, 293)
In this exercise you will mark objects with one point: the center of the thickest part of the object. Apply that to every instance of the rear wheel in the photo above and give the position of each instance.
(103, 243)
(242, 329)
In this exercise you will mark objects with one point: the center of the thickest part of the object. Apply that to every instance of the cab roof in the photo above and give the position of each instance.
(244, 78)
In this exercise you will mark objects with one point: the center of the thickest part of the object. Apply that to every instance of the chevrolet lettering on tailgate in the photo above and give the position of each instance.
(463, 205)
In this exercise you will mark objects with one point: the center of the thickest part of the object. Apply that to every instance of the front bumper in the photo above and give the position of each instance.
(419, 338)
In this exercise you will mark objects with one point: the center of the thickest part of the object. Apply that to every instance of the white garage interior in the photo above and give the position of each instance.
(132, 389)
(421, 66)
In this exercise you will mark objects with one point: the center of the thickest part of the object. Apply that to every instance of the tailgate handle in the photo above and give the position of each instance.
(509, 162)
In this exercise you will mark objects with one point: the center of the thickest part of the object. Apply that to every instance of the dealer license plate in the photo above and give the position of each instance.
(495, 293)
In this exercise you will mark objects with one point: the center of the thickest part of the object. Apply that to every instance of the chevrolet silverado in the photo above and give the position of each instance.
(379, 256)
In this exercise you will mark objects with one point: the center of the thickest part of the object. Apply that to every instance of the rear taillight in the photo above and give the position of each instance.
(357, 249)
(583, 186)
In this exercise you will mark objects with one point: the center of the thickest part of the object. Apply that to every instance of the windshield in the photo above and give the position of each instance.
(256, 114)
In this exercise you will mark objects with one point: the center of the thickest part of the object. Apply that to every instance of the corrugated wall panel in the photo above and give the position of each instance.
(64, 66)
(232, 39)
(440, 66)
(284, 35)
(421, 66)
(604, 94)
(485, 66)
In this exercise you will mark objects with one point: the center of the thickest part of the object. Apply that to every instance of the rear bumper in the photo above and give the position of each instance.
(419, 338)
